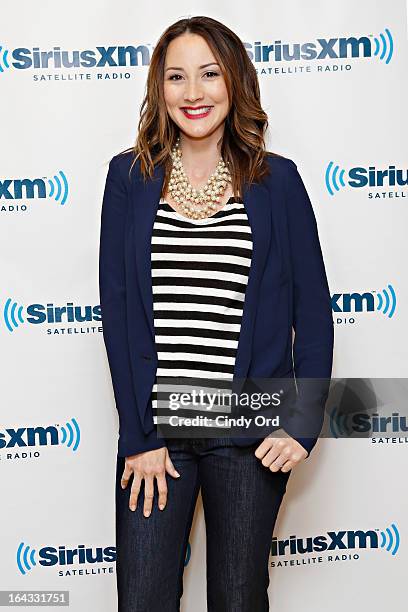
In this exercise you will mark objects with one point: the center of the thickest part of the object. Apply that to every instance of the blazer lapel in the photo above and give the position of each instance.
(146, 198)
(146, 203)
(258, 209)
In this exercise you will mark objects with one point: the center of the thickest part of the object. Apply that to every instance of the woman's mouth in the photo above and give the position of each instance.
(198, 113)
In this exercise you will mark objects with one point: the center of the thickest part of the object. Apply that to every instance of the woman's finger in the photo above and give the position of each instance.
(162, 489)
(127, 472)
(170, 467)
(270, 456)
(264, 447)
(148, 494)
(279, 462)
(134, 491)
(286, 467)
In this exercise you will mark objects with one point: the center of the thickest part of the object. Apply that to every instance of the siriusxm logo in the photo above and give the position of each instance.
(27, 557)
(343, 424)
(55, 188)
(384, 301)
(387, 539)
(22, 58)
(359, 176)
(67, 435)
(380, 47)
(38, 314)
(48, 556)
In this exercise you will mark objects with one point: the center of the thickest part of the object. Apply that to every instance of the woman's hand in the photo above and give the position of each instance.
(281, 453)
(148, 465)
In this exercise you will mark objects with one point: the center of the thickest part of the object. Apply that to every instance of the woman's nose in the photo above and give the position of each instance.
(192, 91)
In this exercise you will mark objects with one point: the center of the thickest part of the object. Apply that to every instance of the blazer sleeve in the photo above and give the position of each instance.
(312, 315)
(112, 292)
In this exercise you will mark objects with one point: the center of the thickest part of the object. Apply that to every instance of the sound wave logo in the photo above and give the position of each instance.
(387, 301)
(358, 177)
(39, 314)
(71, 434)
(47, 556)
(55, 187)
(3, 59)
(390, 540)
(58, 188)
(25, 558)
(339, 423)
(68, 434)
(353, 416)
(12, 314)
(384, 47)
(384, 301)
(334, 178)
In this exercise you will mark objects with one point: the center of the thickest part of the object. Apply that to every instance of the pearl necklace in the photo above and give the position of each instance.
(196, 204)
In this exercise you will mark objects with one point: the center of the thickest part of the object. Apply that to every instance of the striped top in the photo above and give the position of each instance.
(200, 272)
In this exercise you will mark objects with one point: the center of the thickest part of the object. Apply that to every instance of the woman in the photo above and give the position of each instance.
(208, 284)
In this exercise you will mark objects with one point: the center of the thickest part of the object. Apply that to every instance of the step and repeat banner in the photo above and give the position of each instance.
(333, 77)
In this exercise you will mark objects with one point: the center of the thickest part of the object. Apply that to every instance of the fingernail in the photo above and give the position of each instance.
(147, 513)
(133, 508)
(161, 506)
(177, 474)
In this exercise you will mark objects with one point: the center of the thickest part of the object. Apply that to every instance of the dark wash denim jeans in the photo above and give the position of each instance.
(241, 500)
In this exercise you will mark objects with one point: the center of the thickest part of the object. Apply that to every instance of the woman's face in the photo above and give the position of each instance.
(192, 78)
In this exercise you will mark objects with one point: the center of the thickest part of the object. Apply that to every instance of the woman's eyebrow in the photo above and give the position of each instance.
(200, 67)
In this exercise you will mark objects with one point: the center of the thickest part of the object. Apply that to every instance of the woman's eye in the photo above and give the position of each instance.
(210, 72)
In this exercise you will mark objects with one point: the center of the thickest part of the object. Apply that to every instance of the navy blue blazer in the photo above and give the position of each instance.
(287, 288)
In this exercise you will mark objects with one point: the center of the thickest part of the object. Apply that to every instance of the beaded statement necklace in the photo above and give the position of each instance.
(196, 203)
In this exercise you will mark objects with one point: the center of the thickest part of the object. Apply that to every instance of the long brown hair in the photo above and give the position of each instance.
(243, 145)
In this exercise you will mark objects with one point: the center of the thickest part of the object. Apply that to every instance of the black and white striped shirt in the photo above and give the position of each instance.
(199, 276)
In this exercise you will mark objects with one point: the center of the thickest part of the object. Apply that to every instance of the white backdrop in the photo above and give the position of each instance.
(60, 127)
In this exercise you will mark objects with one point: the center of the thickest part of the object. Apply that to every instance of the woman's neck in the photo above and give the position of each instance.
(200, 156)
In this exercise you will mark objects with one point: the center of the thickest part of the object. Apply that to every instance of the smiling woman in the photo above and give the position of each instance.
(188, 78)
(209, 259)
(196, 63)
(195, 101)
(206, 89)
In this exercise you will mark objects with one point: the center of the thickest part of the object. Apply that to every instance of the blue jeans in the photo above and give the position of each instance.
(241, 500)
